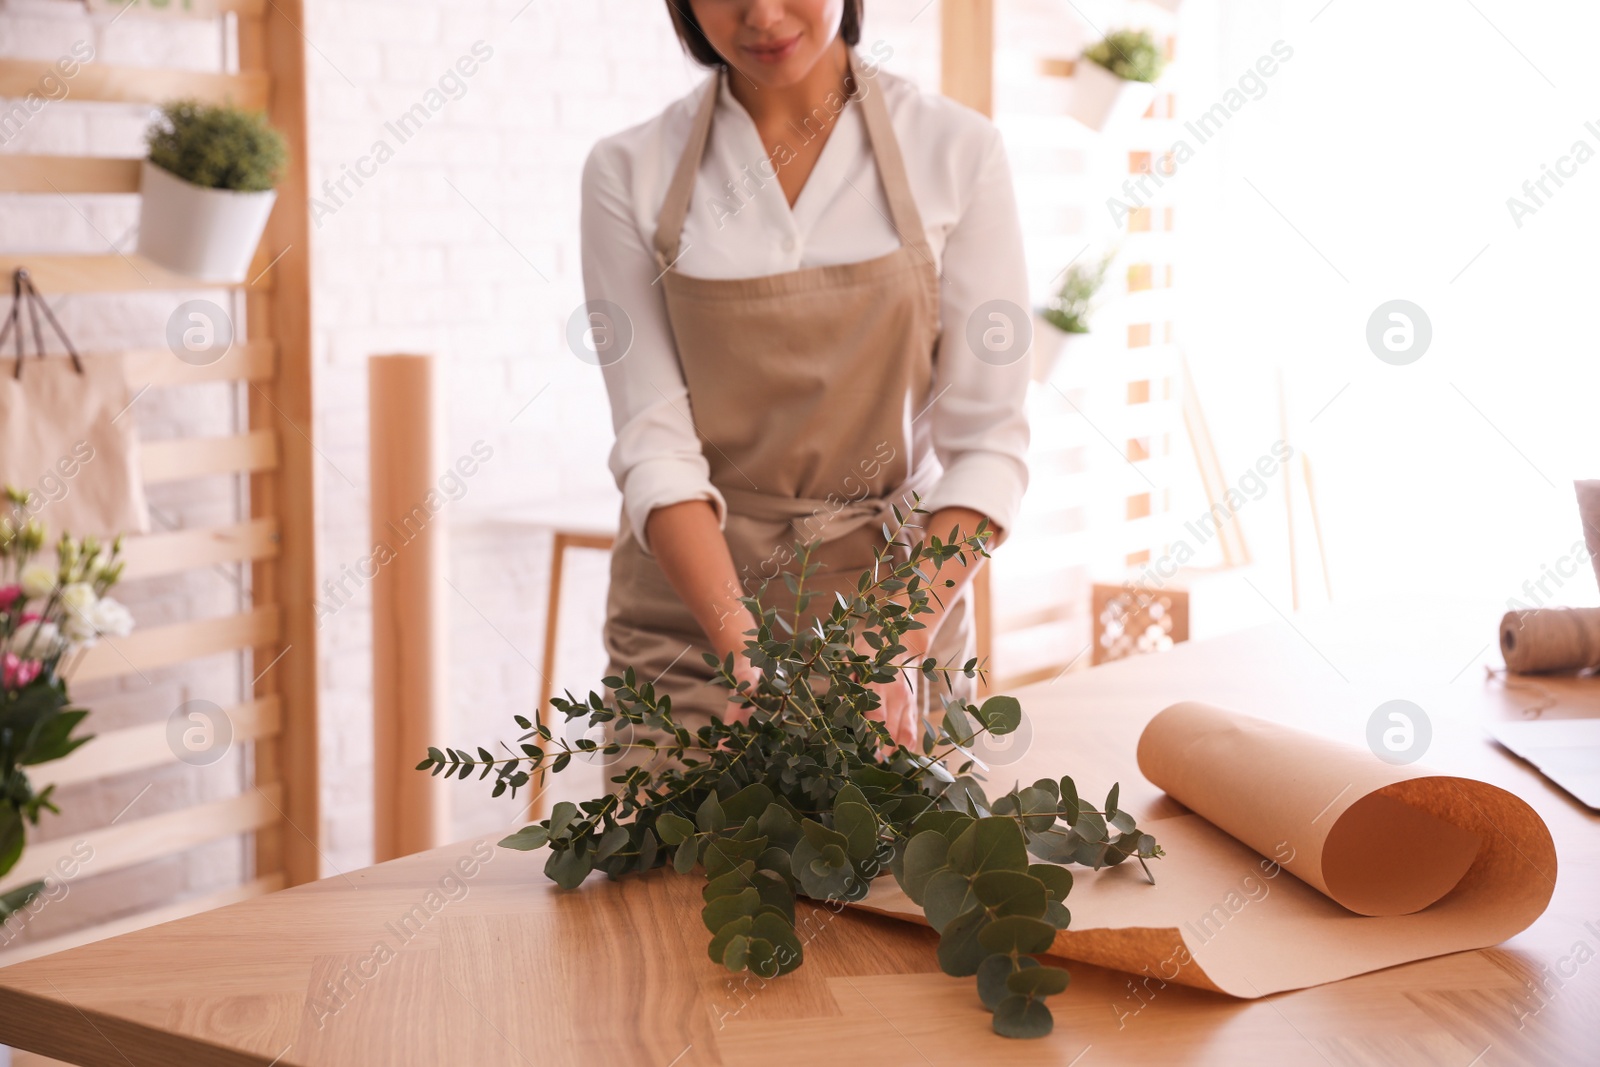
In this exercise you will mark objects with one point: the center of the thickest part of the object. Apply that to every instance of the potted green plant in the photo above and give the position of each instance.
(1063, 323)
(1115, 79)
(207, 188)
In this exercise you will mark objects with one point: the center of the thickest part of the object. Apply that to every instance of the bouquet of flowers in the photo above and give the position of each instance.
(48, 612)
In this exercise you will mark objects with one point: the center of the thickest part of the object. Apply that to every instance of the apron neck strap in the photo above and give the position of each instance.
(880, 133)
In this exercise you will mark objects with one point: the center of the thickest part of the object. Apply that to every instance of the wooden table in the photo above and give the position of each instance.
(495, 966)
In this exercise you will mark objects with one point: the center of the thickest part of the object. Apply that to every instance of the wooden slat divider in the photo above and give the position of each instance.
(143, 920)
(180, 9)
(182, 458)
(164, 646)
(138, 85)
(113, 848)
(68, 174)
(138, 748)
(246, 361)
(181, 550)
(110, 272)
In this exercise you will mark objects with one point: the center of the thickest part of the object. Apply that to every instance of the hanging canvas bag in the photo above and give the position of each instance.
(67, 437)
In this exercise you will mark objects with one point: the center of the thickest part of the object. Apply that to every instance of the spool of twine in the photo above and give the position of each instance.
(1550, 639)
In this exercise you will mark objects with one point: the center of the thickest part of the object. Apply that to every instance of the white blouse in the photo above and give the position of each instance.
(740, 225)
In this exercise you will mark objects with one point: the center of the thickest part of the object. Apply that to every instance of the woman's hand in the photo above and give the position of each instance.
(743, 671)
(898, 711)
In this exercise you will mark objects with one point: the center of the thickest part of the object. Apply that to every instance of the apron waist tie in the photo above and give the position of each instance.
(827, 519)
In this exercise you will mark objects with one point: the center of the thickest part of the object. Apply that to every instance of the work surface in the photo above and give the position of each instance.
(442, 959)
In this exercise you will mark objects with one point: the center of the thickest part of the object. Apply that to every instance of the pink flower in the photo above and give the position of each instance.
(9, 594)
(15, 672)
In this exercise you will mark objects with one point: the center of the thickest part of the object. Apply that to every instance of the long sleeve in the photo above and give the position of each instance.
(657, 459)
(980, 426)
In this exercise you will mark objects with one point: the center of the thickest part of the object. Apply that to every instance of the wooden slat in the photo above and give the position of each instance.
(163, 646)
(248, 361)
(154, 917)
(114, 848)
(188, 457)
(179, 9)
(183, 550)
(139, 748)
(68, 174)
(288, 492)
(138, 85)
(110, 272)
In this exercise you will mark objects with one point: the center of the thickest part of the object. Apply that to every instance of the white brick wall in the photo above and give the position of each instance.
(484, 275)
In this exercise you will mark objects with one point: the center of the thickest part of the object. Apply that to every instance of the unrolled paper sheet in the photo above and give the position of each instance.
(1305, 861)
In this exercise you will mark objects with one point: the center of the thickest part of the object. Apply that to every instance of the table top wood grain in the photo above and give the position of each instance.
(465, 954)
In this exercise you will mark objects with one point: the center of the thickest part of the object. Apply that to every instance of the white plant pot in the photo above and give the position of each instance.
(1055, 350)
(206, 234)
(1101, 100)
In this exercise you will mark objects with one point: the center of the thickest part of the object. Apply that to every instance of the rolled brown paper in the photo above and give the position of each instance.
(1589, 514)
(1305, 861)
(1349, 818)
(1537, 640)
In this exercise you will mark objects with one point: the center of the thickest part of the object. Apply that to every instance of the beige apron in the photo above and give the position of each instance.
(803, 386)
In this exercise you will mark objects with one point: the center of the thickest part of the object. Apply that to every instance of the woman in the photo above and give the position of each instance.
(771, 260)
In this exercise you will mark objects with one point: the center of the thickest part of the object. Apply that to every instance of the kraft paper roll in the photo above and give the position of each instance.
(1304, 861)
(1537, 640)
(1589, 514)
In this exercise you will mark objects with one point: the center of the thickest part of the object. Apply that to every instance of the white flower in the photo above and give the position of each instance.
(36, 640)
(38, 581)
(111, 618)
(77, 603)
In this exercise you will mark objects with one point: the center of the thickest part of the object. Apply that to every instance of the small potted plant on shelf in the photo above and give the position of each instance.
(1063, 327)
(1115, 80)
(207, 188)
(48, 612)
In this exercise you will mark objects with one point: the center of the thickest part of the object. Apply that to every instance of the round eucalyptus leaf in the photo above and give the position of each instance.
(1019, 933)
(992, 975)
(1010, 893)
(1057, 880)
(1039, 981)
(961, 949)
(1001, 714)
(1020, 1016)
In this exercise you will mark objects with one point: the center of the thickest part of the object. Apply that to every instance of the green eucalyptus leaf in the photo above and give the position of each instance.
(673, 827)
(1010, 893)
(1057, 915)
(720, 940)
(686, 856)
(947, 894)
(1057, 880)
(709, 816)
(1001, 714)
(735, 881)
(961, 949)
(569, 867)
(748, 803)
(527, 839)
(992, 975)
(1039, 981)
(1019, 933)
(924, 855)
(1024, 1017)
(561, 817)
(958, 727)
(860, 829)
(1069, 801)
(720, 911)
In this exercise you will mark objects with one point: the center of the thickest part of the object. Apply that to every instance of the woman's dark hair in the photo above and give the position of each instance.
(695, 43)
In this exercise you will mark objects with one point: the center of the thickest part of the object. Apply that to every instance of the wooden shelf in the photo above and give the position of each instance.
(69, 174)
(108, 273)
(139, 85)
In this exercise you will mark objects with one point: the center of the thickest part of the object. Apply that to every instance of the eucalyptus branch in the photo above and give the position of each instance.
(811, 798)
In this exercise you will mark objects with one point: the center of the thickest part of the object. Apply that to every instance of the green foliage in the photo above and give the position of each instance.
(1068, 310)
(217, 147)
(1131, 55)
(812, 798)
